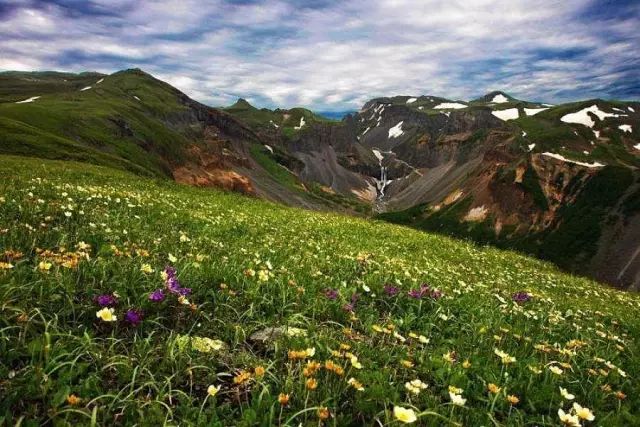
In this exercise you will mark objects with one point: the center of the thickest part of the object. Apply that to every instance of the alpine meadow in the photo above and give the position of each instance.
(283, 213)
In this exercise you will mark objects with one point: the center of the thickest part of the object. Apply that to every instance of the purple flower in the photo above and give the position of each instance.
(172, 283)
(134, 317)
(331, 294)
(521, 297)
(436, 294)
(424, 290)
(106, 300)
(349, 307)
(157, 295)
(391, 290)
(415, 293)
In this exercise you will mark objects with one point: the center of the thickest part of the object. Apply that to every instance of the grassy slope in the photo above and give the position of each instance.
(104, 125)
(53, 346)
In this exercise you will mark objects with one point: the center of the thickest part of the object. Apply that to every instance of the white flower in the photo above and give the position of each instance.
(566, 395)
(583, 412)
(457, 399)
(405, 415)
(568, 419)
(213, 390)
(415, 386)
(106, 315)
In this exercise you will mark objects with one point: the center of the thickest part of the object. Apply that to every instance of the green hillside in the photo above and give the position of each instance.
(374, 323)
(128, 120)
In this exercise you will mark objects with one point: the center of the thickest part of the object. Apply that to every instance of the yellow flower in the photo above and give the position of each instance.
(449, 356)
(6, 266)
(466, 364)
(106, 315)
(213, 390)
(405, 415)
(455, 390)
(259, 371)
(146, 268)
(354, 362)
(73, 400)
(566, 395)
(355, 384)
(311, 384)
(283, 399)
(311, 368)
(323, 413)
(423, 339)
(407, 363)
(506, 359)
(172, 258)
(493, 389)
(44, 266)
(568, 420)
(512, 399)
(583, 412)
(242, 378)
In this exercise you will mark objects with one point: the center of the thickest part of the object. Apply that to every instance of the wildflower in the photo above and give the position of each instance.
(493, 389)
(506, 359)
(556, 370)
(283, 399)
(6, 266)
(44, 266)
(263, 275)
(329, 365)
(206, 345)
(134, 317)
(242, 378)
(213, 390)
(455, 390)
(415, 386)
(311, 368)
(331, 294)
(377, 328)
(449, 356)
(172, 258)
(521, 297)
(583, 413)
(259, 371)
(106, 300)
(513, 400)
(311, 383)
(146, 268)
(405, 415)
(106, 315)
(73, 400)
(407, 363)
(457, 399)
(567, 419)
(157, 295)
(620, 395)
(354, 362)
(566, 395)
(301, 354)
(323, 413)
(391, 290)
(466, 364)
(534, 369)
(355, 384)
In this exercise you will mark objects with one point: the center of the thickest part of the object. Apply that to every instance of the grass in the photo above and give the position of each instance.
(70, 232)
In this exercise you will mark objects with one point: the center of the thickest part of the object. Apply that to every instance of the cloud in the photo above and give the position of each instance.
(334, 55)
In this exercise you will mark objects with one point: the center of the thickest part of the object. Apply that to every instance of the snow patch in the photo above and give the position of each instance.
(508, 114)
(531, 146)
(274, 125)
(625, 128)
(534, 111)
(524, 134)
(452, 105)
(631, 109)
(99, 81)
(85, 88)
(637, 146)
(597, 134)
(582, 117)
(268, 147)
(564, 159)
(500, 99)
(33, 98)
(421, 108)
(411, 100)
(396, 131)
(302, 123)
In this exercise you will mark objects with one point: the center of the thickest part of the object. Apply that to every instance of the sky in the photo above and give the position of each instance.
(334, 55)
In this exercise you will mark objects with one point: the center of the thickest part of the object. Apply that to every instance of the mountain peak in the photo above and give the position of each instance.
(497, 96)
(241, 103)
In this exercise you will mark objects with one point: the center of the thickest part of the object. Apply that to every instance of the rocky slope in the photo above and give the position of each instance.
(560, 182)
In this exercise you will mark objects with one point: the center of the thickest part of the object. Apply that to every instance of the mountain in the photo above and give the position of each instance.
(560, 182)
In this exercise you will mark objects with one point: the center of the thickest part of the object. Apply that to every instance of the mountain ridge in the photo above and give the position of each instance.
(496, 169)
